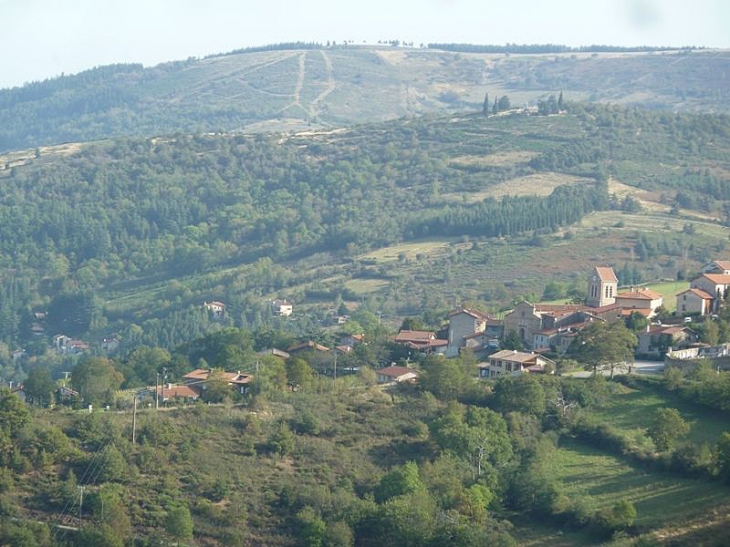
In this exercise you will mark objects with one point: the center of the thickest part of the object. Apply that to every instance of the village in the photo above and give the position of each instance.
(532, 338)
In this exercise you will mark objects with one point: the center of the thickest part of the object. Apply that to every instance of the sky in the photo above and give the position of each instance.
(41, 39)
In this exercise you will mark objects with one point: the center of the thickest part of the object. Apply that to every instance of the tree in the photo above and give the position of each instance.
(512, 341)
(485, 107)
(560, 101)
(96, 379)
(445, 378)
(504, 103)
(402, 480)
(39, 386)
(179, 523)
(217, 388)
(667, 426)
(723, 455)
(603, 346)
(299, 373)
(522, 393)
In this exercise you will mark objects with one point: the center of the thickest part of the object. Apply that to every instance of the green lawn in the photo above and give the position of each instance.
(660, 499)
(632, 409)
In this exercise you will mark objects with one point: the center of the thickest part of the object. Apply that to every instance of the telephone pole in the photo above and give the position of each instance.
(134, 419)
(81, 499)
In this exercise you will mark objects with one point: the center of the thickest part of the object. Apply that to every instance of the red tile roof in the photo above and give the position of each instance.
(474, 313)
(640, 294)
(202, 374)
(718, 279)
(306, 346)
(396, 371)
(698, 292)
(172, 391)
(606, 274)
(514, 356)
(415, 336)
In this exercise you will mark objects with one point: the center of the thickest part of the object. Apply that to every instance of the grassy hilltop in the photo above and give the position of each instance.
(292, 89)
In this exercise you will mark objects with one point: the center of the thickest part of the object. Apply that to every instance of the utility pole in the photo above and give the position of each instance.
(81, 498)
(134, 419)
(334, 381)
(157, 391)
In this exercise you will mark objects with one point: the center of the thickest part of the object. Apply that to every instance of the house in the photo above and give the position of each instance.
(216, 309)
(642, 300)
(694, 301)
(282, 308)
(352, 339)
(421, 341)
(64, 345)
(239, 381)
(716, 285)
(514, 362)
(109, 345)
(310, 345)
(656, 340)
(464, 323)
(172, 392)
(37, 329)
(602, 287)
(536, 323)
(276, 352)
(395, 375)
(717, 267)
(18, 355)
(525, 320)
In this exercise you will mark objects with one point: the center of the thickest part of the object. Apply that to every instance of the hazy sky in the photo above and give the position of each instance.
(44, 38)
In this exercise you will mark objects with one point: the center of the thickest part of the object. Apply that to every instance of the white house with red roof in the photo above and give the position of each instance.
(512, 362)
(694, 301)
(716, 285)
(642, 300)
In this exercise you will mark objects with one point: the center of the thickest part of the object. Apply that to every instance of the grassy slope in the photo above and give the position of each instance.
(661, 500)
(632, 409)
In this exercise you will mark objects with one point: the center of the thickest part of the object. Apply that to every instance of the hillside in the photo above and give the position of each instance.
(403, 217)
(318, 87)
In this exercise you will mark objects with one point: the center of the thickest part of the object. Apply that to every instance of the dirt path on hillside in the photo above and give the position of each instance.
(314, 107)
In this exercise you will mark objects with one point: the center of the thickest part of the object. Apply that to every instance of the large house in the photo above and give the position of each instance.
(656, 340)
(512, 362)
(542, 326)
(717, 267)
(642, 300)
(716, 285)
(237, 380)
(694, 301)
(472, 329)
(421, 341)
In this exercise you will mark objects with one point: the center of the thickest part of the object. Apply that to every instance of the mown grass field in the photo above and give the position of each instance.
(633, 409)
(661, 500)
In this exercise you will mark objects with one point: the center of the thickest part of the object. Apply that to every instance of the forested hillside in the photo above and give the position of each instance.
(299, 86)
(129, 236)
